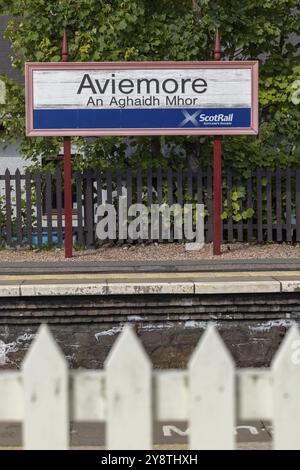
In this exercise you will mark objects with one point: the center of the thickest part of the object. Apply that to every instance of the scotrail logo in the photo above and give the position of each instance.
(216, 118)
(200, 119)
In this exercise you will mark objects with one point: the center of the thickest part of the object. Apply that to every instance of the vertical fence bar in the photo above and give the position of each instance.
(170, 200)
(199, 189)
(189, 187)
(39, 225)
(170, 186)
(240, 223)
(288, 206)
(139, 186)
(19, 228)
(217, 202)
(269, 207)
(278, 206)
(8, 208)
(159, 200)
(119, 183)
(229, 206)
(48, 179)
(199, 186)
(139, 196)
(109, 186)
(179, 194)
(58, 186)
(98, 177)
(149, 198)
(99, 188)
(29, 208)
(118, 191)
(209, 204)
(221, 211)
(189, 180)
(179, 178)
(78, 180)
(89, 208)
(298, 205)
(129, 195)
(249, 206)
(259, 206)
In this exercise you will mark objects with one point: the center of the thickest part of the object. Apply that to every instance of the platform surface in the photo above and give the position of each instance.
(200, 266)
(123, 279)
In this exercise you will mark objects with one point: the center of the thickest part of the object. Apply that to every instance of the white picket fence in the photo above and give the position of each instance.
(129, 396)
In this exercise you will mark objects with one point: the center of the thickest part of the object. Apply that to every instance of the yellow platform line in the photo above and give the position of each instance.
(140, 275)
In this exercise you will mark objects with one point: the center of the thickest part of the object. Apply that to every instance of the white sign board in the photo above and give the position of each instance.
(142, 98)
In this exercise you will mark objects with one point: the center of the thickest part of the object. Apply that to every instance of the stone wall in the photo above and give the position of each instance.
(252, 325)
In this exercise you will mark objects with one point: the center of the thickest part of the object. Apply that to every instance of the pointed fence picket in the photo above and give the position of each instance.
(45, 388)
(211, 398)
(286, 393)
(129, 396)
(128, 388)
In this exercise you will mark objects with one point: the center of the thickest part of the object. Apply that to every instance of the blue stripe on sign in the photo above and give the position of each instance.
(153, 118)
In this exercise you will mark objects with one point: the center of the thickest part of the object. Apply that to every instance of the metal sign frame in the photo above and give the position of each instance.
(216, 64)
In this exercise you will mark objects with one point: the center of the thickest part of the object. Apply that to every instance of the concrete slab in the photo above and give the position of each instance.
(10, 289)
(237, 285)
(102, 287)
(60, 288)
(289, 283)
(153, 286)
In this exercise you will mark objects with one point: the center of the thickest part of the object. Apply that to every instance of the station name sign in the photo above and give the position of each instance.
(142, 98)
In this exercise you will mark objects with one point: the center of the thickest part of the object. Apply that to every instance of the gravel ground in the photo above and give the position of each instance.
(161, 252)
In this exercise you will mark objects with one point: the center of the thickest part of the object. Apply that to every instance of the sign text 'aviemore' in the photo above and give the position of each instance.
(142, 86)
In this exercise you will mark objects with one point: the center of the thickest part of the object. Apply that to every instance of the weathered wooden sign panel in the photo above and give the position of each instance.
(142, 98)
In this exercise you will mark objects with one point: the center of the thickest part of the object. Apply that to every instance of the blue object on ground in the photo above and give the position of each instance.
(44, 239)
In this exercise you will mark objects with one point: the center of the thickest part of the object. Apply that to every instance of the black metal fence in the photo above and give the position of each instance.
(264, 206)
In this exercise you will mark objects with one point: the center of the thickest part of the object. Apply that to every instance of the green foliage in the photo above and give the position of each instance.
(106, 30)
(232, 208)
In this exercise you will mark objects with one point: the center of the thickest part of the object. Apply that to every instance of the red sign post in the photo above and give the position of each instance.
(217, 171)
